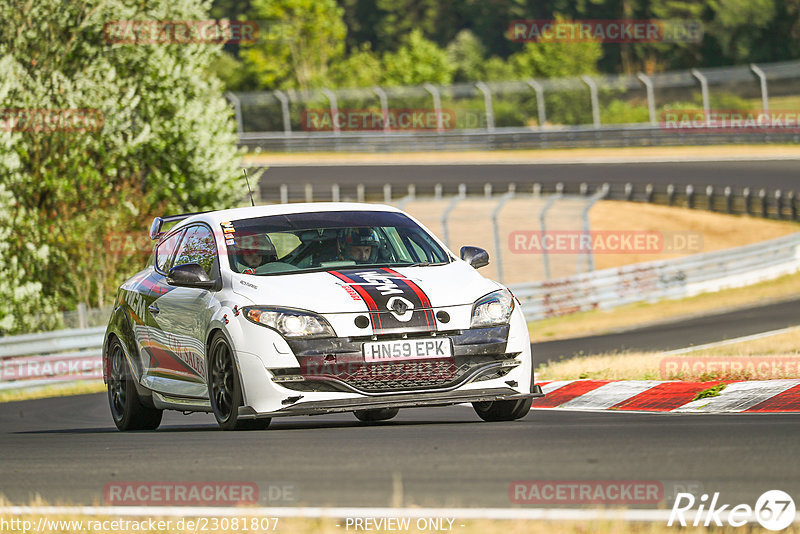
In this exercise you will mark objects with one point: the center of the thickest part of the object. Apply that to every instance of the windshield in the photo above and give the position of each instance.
(302, 242)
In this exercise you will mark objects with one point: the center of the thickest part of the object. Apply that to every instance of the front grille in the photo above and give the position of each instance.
(393, 376)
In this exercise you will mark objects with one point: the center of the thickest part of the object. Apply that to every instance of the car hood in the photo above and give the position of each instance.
(350, 290)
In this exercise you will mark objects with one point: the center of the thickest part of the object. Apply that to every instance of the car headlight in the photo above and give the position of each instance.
(288, 322)
(492, 309)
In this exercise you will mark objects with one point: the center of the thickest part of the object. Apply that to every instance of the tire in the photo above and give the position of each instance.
(509, 410)
(127, 409)
(225, 390)
(378, 414)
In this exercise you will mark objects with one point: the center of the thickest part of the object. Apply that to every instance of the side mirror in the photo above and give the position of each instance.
(475, 256)
(190, 275)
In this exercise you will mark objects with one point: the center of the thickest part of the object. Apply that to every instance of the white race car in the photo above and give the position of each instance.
(305, 309)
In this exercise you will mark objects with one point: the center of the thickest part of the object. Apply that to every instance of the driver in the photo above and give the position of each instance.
(254, 252)
(359, 245)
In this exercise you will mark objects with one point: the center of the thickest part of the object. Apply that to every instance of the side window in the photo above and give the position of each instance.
(165, 250)
(198, 247)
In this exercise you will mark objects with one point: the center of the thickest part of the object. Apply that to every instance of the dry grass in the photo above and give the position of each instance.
(642, 313)
(737, 361)
(55, 390)
(714, 228)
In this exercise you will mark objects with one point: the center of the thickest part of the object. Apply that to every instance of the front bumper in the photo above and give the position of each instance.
(394, 401)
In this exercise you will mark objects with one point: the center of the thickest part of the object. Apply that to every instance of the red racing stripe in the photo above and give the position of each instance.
(788, 401)
(665, 397)
(375, 316)
(568, 392)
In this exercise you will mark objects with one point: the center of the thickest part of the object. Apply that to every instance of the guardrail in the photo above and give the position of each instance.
(666, 279)
(57, 357)
(623, 135)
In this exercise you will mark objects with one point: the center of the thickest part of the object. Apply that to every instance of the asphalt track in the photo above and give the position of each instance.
(775, 174)
(677, 334)
(67, 450)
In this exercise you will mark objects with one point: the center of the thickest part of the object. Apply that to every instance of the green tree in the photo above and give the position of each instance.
(417, 61)
(299, 43)
(160, 138)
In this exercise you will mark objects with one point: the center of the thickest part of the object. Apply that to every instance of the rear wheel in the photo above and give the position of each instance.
(225, 390)
(378, 414)
(507, 410)
(127, 410)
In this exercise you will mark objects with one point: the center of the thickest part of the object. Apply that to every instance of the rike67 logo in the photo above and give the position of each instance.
(774, 510)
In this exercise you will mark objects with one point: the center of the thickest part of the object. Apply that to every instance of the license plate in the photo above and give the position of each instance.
(407, 349)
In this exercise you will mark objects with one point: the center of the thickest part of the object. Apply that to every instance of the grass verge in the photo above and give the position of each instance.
(54, 390)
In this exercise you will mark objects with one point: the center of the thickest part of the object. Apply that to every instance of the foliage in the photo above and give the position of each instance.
(163, 140)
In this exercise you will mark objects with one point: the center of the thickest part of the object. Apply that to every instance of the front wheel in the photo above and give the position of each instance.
(225, 390)
(127, 410)
(377, 414)
(507, 410)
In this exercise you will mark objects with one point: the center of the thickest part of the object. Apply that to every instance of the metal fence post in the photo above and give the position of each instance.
(704, 91)
(648, 193)
(779, 203)
(710, 198)
(670, 195)
(539, 101)
(762, 197)
(462, 190)
(237, 111)
(651, 100)
(384, 107)
(284, 194)
(387, 193)
(437, 105)
(728, 199)
(331, 96)
(792, 205)
(360, 193)
(595, 101)
(690, 196)
(487, 103)
(496, 233)
(543, 226)
(746, 196)
(586, 227)
(437, 192)
(309, 193)
(83, 316)
(335, 192)
(763, 81)
(284, 100)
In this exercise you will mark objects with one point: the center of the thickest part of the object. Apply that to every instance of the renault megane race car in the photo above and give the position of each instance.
(305, 309)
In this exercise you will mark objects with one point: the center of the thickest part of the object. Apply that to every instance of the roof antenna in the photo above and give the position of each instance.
(252, 202)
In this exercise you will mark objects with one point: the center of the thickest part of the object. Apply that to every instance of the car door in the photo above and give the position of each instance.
(182, 315)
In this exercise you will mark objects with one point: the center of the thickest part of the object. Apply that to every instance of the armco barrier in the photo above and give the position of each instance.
(33, 360)
(677, 278)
